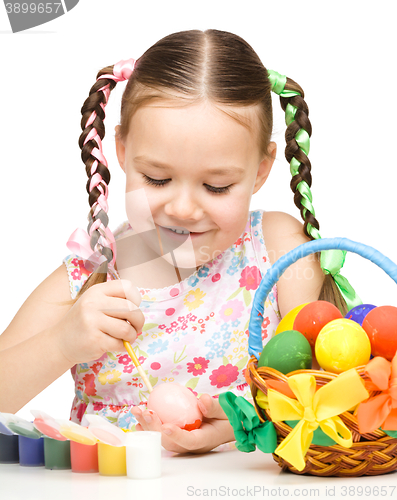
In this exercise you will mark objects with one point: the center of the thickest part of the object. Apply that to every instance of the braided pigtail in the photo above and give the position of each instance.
(336, 289)
(97, 245)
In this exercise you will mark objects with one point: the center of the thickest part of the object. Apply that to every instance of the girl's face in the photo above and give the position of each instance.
(196, 169)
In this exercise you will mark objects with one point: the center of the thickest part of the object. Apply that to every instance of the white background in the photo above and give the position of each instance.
(342, 53)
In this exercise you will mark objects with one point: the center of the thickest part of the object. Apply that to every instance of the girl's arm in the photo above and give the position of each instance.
(30, 358)
(302, 281)
(28, 368)
(45, 338)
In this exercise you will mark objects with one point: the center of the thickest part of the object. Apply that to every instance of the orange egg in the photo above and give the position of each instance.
(313, 317)
(381, 327)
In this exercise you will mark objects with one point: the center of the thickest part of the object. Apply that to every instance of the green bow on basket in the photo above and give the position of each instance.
(249, 431)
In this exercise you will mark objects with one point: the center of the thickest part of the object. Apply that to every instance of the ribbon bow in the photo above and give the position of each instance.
(249, 431)
(278, 81)
(380, 410)
(79, 243)
(313, 409)
(331, 263)
(121, 70)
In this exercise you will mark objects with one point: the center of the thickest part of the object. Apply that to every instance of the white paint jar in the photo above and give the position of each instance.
(143, 454)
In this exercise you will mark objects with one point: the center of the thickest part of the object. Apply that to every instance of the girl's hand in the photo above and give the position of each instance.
(97, 321)
(215, 428)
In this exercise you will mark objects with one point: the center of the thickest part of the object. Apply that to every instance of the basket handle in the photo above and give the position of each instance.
(278, 268)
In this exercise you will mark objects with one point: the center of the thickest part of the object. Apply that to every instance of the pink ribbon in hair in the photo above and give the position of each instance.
(121, 70)
(79, 240)
(79, 244)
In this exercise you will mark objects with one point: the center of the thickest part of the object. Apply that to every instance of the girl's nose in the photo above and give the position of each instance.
(183, 205)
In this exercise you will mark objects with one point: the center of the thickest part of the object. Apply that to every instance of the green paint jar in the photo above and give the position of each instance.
(56, 454)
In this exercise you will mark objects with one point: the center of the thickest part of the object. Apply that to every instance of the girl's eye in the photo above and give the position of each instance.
(162, 182)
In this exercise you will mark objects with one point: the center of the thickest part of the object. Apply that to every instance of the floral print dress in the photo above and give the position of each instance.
(195, 332)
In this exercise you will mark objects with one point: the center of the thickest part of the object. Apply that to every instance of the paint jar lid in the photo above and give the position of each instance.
(3, 425)
(104, 431)
(21, 426)
(76, 432)
(47, 425)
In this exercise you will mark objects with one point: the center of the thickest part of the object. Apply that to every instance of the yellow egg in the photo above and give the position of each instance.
(342, 344)
(287, 322)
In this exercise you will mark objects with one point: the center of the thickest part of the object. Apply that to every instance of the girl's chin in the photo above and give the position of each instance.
(181, 261)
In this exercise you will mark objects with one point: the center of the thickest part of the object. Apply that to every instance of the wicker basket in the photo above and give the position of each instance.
(371, 454)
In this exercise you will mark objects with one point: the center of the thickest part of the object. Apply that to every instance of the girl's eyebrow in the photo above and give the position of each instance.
(216, 171)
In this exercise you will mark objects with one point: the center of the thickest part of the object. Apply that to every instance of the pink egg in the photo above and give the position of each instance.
(175, 404)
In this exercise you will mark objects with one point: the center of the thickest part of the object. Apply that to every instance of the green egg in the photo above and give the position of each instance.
(286, 352)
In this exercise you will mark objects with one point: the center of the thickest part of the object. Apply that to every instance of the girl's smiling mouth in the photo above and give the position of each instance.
(178, 232)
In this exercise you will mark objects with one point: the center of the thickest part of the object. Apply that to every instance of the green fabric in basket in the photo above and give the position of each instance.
(393, 434)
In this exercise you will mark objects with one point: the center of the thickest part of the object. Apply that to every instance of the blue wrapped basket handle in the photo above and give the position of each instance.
(278, 268)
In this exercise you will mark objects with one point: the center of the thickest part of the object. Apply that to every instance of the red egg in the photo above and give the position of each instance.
(381, 327)
(313, 317)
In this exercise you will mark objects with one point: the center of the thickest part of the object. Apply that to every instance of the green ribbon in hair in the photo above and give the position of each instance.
(278, 82)
(249, 431)
(331, 263)
(331, 260)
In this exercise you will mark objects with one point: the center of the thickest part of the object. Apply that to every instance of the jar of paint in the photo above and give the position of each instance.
(143, 455)
(83, 447)
(111, 446)
(31, 451)
(9, 448)
(56, 454)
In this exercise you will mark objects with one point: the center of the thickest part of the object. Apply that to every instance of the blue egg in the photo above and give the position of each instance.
(358, 313)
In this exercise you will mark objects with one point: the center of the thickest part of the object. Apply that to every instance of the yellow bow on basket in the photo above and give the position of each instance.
(315, 409)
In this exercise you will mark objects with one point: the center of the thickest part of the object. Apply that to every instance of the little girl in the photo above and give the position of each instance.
(194, 144)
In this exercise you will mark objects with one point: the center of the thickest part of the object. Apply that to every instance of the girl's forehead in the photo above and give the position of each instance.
(198, 123)
(202, 110)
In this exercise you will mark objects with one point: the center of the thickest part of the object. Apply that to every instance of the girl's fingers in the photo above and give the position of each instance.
(186, 440)
(148, 420)
(136, 411)
(121, 288)
(119, 329)
(123, 309)
(211, 408)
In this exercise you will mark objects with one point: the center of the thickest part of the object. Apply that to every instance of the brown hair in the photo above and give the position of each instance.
(188, 67)
(329, 290)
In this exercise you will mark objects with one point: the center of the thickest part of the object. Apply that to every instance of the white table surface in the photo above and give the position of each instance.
(227, 474)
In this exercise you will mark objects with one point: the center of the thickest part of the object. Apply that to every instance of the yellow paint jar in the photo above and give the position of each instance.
(111, 460)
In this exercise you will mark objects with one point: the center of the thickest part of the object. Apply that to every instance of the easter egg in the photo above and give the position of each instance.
(287, 322)
(286, 352)
(342, 344)
(175, 404)
(381, 327)
(358, 313)
(313, 317)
